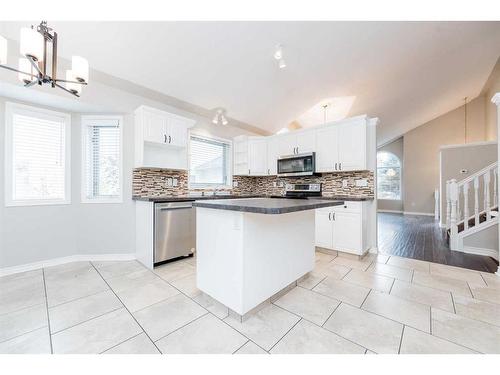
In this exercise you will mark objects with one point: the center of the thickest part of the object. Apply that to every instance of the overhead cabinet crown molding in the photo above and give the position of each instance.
(339, 146)
(161, 139)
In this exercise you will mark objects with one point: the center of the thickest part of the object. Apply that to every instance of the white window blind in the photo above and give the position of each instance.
(209, 162)
(102, 159)
(36, 159)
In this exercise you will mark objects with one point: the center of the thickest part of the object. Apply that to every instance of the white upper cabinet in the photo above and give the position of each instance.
(240, 156)
(161, 139)
(306, 142)
(342, 147)
(352, 146)
(327, 153)
(257, 156)
(347, 145)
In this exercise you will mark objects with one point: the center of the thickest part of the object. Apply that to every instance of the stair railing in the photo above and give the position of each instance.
(457, 201)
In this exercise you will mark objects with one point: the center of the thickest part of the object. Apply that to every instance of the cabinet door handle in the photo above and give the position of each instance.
(297, 149)
(268, 171)
(249, 171)
(169, 139)
(335, 166)
(340, 166)
(330, 216)
(165, 139)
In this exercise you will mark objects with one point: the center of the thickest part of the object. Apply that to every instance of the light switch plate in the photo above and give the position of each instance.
(169, 181)
(175, 182)
(344, 183)
(235, 183)
(363, 182)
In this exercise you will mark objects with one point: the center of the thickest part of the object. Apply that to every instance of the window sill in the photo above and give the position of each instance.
(102, 201)
(36, 203)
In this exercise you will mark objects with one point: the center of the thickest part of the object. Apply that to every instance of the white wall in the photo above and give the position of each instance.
(39, 233)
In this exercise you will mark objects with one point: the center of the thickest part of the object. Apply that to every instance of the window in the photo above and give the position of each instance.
(37, 156)
(210, 162)
(388, 176)
(102, 166)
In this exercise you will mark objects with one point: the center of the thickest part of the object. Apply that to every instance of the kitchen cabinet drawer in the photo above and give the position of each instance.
(349, 206)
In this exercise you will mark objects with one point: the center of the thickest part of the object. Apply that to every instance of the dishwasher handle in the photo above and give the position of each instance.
(173, 206)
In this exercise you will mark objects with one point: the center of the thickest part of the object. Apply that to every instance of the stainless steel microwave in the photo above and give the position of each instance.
(297, 165)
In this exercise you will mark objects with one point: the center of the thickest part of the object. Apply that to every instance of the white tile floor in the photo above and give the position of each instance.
(374, 305)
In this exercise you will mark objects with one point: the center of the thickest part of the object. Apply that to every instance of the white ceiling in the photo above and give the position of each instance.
(405, 73)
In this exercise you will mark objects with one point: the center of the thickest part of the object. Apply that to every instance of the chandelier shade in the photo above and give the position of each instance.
(31, 43)
(26, 67)
(3, 50)
(80, 68)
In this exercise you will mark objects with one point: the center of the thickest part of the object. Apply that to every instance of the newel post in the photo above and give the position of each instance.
(496, 100)
(454, 214)
(448, 205)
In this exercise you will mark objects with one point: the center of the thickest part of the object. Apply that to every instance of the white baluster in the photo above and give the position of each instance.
(453, 219)
(436, 204)
(487, 207)
(495, 183)
(466, 205)
(459, 211)
(448, 205)
(476, 200)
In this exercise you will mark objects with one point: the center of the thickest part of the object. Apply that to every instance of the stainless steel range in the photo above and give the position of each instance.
(302, 190)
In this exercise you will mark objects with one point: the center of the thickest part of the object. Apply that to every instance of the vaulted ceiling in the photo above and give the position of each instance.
(405, 73)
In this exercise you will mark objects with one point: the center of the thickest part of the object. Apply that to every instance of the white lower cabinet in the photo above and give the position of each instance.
(342, 228)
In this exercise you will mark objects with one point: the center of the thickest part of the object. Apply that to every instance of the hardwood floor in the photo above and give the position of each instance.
(419, 237)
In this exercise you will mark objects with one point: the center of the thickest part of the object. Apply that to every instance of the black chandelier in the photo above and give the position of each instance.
(36, 44)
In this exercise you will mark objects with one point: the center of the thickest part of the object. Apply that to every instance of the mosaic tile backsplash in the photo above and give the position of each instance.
(147, 182)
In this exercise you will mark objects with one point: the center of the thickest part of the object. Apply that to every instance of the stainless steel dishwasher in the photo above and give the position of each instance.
(175, 230)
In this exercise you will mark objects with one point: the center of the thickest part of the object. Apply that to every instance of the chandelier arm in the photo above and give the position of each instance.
(18, 71)
(65, 89)
(66, 81)
(35, 65)
(29, 84)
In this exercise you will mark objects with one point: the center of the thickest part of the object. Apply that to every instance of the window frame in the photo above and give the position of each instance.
(229, 142)
(11, 109)
(400, 177)
(86, 121)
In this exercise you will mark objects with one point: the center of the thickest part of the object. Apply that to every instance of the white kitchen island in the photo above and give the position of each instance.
(250, 249)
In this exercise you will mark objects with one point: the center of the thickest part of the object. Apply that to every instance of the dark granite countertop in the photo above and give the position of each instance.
(270, 206)
(358, 198)
(192, 198)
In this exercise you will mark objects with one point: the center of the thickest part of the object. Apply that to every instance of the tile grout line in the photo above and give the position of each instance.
(392, 285)
(208, 312)
(47, 311)
(22, 334)
(364, 300)
(124, 341)
(453, 303)
(286, 333)
(401, 339)
(87, 320)
(133, 317)
(184, 325)
(76, 299)
(246, 342)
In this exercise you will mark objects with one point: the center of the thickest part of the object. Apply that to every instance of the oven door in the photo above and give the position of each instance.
(297, 165)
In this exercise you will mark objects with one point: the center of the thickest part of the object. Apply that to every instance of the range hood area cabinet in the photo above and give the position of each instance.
(161, 139)
(347, 145)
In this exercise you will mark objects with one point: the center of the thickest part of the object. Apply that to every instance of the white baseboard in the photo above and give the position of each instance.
(418, 213)
(481, 251)
(391, 211)
(72, 258)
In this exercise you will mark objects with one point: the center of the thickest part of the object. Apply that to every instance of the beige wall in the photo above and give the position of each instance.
(421, 152)
(396, 147)
(491, 87)
(472, 158)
